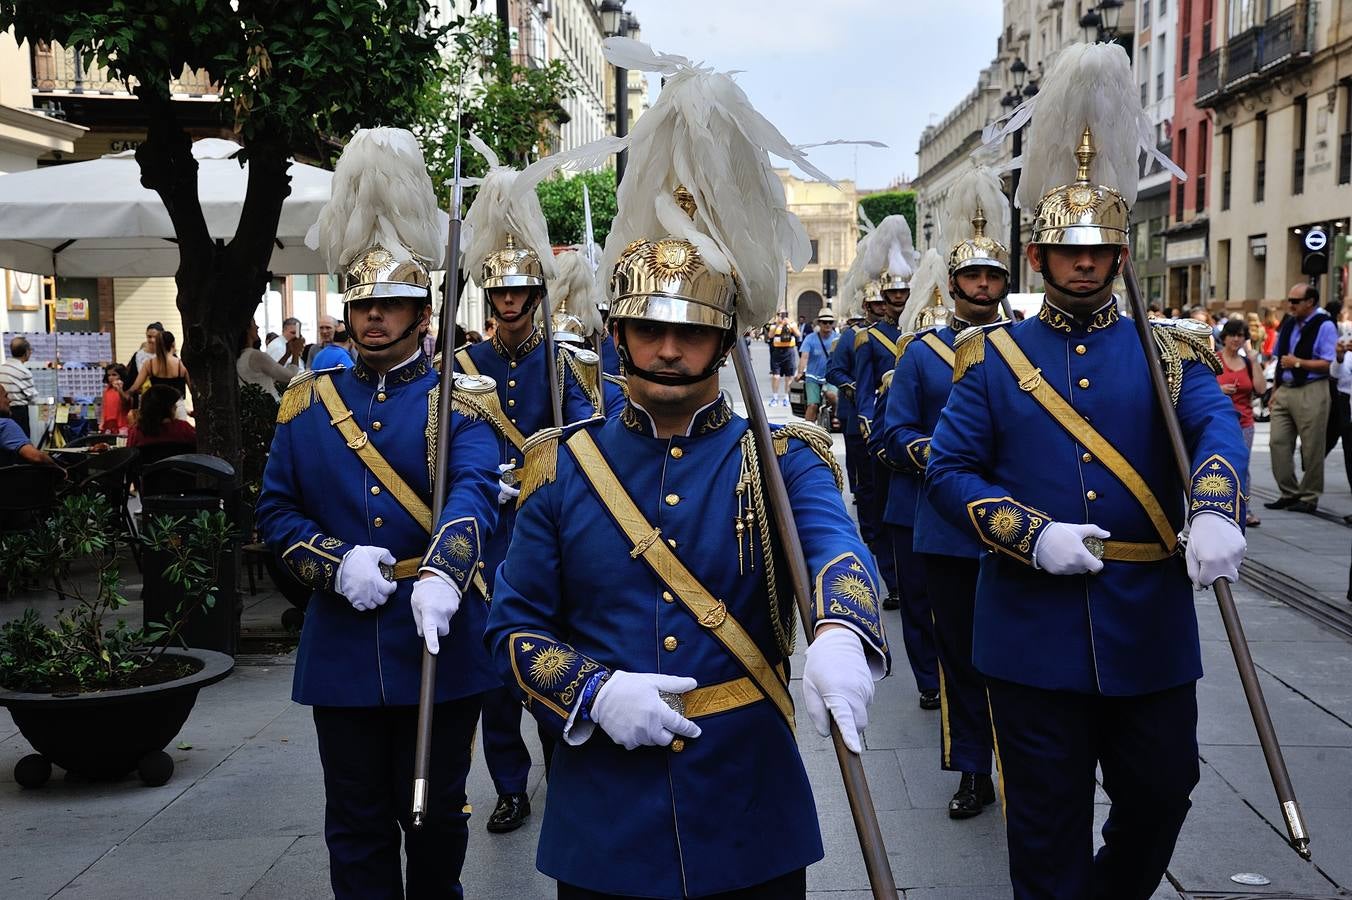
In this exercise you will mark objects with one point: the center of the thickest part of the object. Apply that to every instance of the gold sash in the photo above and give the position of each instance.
(932, 341)
(1031, 381)
(707, 700)
(709, 612)
(886, 342)
(490, 399)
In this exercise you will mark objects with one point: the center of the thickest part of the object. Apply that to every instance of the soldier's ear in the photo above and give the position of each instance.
(1034, 254)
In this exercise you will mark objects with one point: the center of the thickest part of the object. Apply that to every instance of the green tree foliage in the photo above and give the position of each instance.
(561, 200)
(295, 77)
(890, 203)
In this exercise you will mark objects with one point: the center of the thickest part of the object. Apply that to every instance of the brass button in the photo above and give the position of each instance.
(671, 542)
(1087, 458)
(511, 403)
(511, 462)
(375, 489)
(1091, 495)
(514, 420)
(677, 453)
(481, 563)
(666, 595)
(511, 382)
(1080, 349)
(673, 499)
(378, 521)
(511, 365)
(677, 745)
(669, 642)
(380, 398)
(1084, 382)
(376, 426)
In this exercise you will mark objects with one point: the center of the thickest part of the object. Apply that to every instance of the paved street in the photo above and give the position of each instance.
(243, 814)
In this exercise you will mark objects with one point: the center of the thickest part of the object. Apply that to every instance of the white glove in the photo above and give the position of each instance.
(1215, 549)
(435, 600)
(629, 709)
(506, 492)
(836, 677)
(359, 577)
(1060, 549)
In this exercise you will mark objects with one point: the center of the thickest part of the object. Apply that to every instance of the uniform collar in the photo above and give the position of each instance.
(411, 369)
(1058, 319)
(706, 419)
(536, 337)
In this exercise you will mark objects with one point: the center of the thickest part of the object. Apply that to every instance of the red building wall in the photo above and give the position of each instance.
(1197, 35)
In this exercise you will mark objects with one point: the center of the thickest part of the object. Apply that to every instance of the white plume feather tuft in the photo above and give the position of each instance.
(978, 187)
(878, 251)
(380, 194)
(507, 204)
(704, 133)
(865, 223)
(574, 288)
(930, 275)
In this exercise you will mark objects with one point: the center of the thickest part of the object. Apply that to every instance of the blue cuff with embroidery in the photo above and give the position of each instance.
(315, 562)
(846, 593)
(1215, 488)
(918, 451)
(551, 674)
(455, 551)
(1007, 526)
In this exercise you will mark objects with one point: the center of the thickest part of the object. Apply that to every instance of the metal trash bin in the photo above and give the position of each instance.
(182, 486)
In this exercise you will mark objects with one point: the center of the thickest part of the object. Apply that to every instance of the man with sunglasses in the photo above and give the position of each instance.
(1305, 349)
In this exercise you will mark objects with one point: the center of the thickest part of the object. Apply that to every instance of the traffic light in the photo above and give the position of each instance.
(828, 283)
(1316, 258)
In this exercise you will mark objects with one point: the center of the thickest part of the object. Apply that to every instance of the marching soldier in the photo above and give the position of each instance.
(977, 275)
(1053, 452)
(661, 660)
(507, 246)
(840, 373)
(345, 504)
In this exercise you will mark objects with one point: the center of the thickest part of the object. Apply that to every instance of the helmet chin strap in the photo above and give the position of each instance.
(1112, 273)
(622, 348)
(352, 333)
(527, 310)
(958, 292)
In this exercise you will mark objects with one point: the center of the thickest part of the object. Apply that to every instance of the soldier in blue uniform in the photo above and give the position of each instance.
(512, 273)
(977, 274)
(1053, 453)
(639, 607)
(345, 504)
(840, 374)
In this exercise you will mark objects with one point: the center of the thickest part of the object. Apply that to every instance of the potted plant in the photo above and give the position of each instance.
(96, 697)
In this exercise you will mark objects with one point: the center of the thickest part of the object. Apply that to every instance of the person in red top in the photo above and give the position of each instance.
(1240, 372)
(156, 423)
(116, 401)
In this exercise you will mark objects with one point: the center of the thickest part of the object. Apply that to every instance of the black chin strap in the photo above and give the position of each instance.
(963, 295)
(352, 333)
(622, 349)
(1112, 273)
(527, 310)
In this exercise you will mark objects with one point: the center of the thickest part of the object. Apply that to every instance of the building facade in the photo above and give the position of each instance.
(1154, 65)
(830, 216)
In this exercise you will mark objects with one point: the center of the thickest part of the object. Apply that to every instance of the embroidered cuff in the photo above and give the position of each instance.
(845, 593)
(1215, 488)
(919, 452)
(455, 551)
(551, 674)
(1008, 526)
(315, 562)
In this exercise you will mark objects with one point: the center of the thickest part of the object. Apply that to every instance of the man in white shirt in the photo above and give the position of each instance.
(288, 348)
(18, 381)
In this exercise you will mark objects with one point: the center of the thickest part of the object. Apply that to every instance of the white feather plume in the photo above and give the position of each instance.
(704, 133)
(930, 275)
(380, 194)
(977, 187)
(888, 248)
(865, 223)
(1088, 85)
(574, 288)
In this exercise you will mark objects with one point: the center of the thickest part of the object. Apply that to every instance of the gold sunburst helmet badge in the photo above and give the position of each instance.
(376, 272)
(511, 266)
(980, 249)
(1082, 213)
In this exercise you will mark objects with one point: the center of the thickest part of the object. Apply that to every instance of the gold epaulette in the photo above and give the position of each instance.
(619, 381)
(885, 382)
(860, 338)
(542, 462)
(905, 341)
(586, 366)
(1179, 340)
(469, 398)
(300, 393)
(817, 438)
(969, 348)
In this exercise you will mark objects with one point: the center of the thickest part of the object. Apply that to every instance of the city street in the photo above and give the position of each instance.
(243, 814)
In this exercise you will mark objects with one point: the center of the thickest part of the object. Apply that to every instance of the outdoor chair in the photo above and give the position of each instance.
(27, 492)
(109, 474)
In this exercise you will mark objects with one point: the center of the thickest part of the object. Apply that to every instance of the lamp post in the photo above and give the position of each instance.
(618, 23)
(1100, 22)
(928, 226)
(1018, 71)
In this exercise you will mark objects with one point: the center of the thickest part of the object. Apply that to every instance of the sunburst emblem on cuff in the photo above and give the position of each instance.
(1213, 485)
(1005, 523)
(308, 571)
(855, 589)
(550, 665)
(460, 547)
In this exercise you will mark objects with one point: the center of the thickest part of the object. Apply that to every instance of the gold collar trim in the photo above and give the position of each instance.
(408, 372)
(707, 419)
(536, 338)
(1059, 320)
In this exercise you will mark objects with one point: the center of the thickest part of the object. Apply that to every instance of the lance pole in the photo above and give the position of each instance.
(851, 764)
(1234, 629)
(552, 364)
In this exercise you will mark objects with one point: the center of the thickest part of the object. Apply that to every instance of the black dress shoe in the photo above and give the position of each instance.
(1282, 503)
(510, 813)
(929, 699)
(892, 601)
(975, 793)
(1303, 507)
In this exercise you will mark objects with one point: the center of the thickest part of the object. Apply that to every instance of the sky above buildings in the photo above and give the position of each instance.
(838, 69)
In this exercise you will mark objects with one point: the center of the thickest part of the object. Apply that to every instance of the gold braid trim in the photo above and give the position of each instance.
(969, 349)
(817, 438)
(586, 376)
(885, 383)
(542, 462)
(300, 393)
(619, 381)
(430, 432)
(861, 338)
(785, 634)
(903, 342)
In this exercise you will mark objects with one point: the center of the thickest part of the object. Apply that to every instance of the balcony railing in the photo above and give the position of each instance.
(1243, 57)
(1283, 41)
(58, 70)
(1284, 37)
(1345, 157)
(1208, 77)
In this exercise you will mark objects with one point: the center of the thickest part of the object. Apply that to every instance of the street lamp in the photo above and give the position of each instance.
(1018, 71)
(618, 23)
(612, 11)
(928, 226)
(1100, 22)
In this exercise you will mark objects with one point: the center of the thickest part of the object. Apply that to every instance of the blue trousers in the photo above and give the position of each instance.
(917, 628)
(881, 543)
(965, 722)
(1047, 744)
(367, 755)
(856, 453)
(505, 750)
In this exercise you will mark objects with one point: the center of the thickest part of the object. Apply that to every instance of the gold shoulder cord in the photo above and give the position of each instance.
(753, 515)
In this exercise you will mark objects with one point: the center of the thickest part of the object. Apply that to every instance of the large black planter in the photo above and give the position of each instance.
(106, 734)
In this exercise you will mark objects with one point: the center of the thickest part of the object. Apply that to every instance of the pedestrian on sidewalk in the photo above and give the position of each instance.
(812, 362)
(17, 380)
(1306, 347)
(1341, 371)
(783, 336)
(1240, 372)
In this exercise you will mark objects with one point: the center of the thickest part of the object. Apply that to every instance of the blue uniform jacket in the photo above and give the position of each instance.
(733, 807)
(920, 387)
(903, 484)
(840, 372)
(875, 354)
(1003, 469)
(319, 499)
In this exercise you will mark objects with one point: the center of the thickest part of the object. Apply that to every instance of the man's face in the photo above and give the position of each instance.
(509, 303)
(291, 332)
(1078, 269)
(894, 301)
(1298, 301)
(326, 329)
(979, 291)
(825, 326)
(383, 319)
(667, 349)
